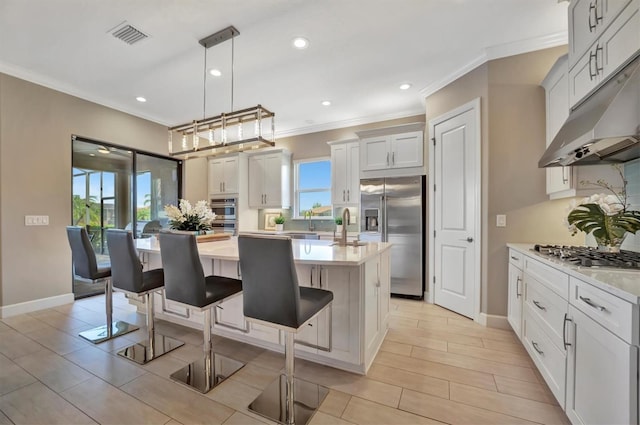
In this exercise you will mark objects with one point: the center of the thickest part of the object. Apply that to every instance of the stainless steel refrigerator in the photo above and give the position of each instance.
(392, 210)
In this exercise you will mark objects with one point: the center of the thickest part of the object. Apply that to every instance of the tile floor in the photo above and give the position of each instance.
(434, 367)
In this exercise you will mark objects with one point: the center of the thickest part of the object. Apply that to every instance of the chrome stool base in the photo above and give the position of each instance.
(208, 372)
(101, 334)
(272, 402)
(145, 351)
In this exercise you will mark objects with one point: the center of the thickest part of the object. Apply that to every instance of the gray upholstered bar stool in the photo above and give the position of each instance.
(127, 276)
(272, 297)
(186, 285)
(87, 267)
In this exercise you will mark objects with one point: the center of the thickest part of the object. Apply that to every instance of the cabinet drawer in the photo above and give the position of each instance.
(614, 314)
(550, 360)
(547, 308)
(554, 279)
(516, 258)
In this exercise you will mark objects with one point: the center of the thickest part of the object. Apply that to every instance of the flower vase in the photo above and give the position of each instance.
(279, 227)
(610, 244)
(338, 228)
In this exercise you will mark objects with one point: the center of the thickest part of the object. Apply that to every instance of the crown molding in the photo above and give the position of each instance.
(497, 52)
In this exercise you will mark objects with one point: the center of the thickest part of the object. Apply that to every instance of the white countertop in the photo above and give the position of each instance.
(304, 251)
(622, 283)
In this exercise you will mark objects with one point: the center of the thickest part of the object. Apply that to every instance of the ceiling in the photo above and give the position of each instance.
(360, 52)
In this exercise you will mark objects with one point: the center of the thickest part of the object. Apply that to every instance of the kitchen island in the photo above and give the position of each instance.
(358, 276)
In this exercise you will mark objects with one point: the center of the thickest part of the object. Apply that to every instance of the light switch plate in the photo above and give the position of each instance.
(36, 220)
(501, 220)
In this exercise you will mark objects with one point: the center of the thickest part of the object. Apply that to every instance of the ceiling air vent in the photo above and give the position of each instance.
(128, 33)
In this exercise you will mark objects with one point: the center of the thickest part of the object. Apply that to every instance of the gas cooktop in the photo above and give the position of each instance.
(591, 257)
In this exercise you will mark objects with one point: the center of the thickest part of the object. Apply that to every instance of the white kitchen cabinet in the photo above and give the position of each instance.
(269, 180)
(588, 19)
(615, 45)
(223, 175)
(602, 378)
(344, 283)
(376, 307)
(392, 151)
(516, 291)
(345, 172)
(584, 341)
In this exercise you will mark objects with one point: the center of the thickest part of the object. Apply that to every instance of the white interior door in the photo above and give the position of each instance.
(454, 211)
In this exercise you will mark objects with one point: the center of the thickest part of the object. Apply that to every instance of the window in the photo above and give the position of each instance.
(313, 188)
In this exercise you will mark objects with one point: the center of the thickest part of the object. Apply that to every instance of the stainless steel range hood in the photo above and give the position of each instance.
(604, 128)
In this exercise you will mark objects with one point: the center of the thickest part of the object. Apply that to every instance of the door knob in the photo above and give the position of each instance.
(469, 239)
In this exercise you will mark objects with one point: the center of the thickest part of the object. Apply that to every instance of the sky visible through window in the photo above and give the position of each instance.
(314, 185)
(144, 186)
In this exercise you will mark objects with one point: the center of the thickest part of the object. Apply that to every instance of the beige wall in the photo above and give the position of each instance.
(513, 139)
(35, 179)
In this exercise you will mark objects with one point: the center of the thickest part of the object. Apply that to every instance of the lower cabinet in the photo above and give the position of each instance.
(602, 375)
(583, 340)
(515, 292)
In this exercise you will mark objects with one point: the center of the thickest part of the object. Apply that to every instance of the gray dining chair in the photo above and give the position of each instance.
(86, 266)
(272, 297)
(128, 276)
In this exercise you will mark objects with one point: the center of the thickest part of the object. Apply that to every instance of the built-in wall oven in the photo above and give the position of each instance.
(226, 213)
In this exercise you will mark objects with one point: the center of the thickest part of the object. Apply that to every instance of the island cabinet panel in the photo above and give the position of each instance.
(358, 277)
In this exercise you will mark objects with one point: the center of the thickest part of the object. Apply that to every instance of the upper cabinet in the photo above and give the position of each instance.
(603, 35)
(394, 151)
(269, 179)
(345, 172)
(223, 175)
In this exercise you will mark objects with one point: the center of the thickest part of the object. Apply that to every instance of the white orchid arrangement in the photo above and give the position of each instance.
(606, 216)
(187, 217)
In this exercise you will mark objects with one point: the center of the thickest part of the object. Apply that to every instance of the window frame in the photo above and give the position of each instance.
(297, 191)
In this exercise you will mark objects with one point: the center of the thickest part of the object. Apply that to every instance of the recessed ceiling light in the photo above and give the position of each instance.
(215, 72)
(405, 86)
(300, 43)
(141, 99)
(326, 103)
(104, 150)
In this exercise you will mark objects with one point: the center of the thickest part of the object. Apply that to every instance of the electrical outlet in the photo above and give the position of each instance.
(501, 220)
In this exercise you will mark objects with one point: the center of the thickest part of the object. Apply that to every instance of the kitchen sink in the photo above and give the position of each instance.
(352, 243)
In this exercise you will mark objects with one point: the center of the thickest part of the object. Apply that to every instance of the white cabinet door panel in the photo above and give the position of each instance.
(407, 150)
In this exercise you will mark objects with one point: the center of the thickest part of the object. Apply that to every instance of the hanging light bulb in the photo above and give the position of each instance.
(170, 141)
(240, 130)
(256, 129)
(184, 142)
(211, 139)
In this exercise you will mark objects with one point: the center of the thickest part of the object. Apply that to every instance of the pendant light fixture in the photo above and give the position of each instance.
(235, 131)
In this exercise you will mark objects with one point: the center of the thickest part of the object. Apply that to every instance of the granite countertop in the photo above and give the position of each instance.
(305, 251)
(622, 283)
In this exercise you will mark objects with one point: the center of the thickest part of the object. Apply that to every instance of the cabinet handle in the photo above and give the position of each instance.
(343, 195)
(598, 17)
(348, 195)
(541, 307)
(220, 307)
(592, 304)
(518, 293)
(592, 10)
(592, 75)
(535, 347)
(598, 49)
(393, 158)
(320, 278)
(387, 158)
(565, 180)
(311, 276)
(238, 270)
(515, 258)
(564, 331)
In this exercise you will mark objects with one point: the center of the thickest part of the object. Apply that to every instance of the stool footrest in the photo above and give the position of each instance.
(101, 333)
(207, 372)
(145, 351)
(272, 402)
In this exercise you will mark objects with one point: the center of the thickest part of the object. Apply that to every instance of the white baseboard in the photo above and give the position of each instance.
(35, 305)
(494, 321)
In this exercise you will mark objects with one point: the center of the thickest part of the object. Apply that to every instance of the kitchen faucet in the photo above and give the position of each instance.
(308, 214)
(346, 218)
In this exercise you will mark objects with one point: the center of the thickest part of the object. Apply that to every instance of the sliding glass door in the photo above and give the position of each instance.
(105, 195)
